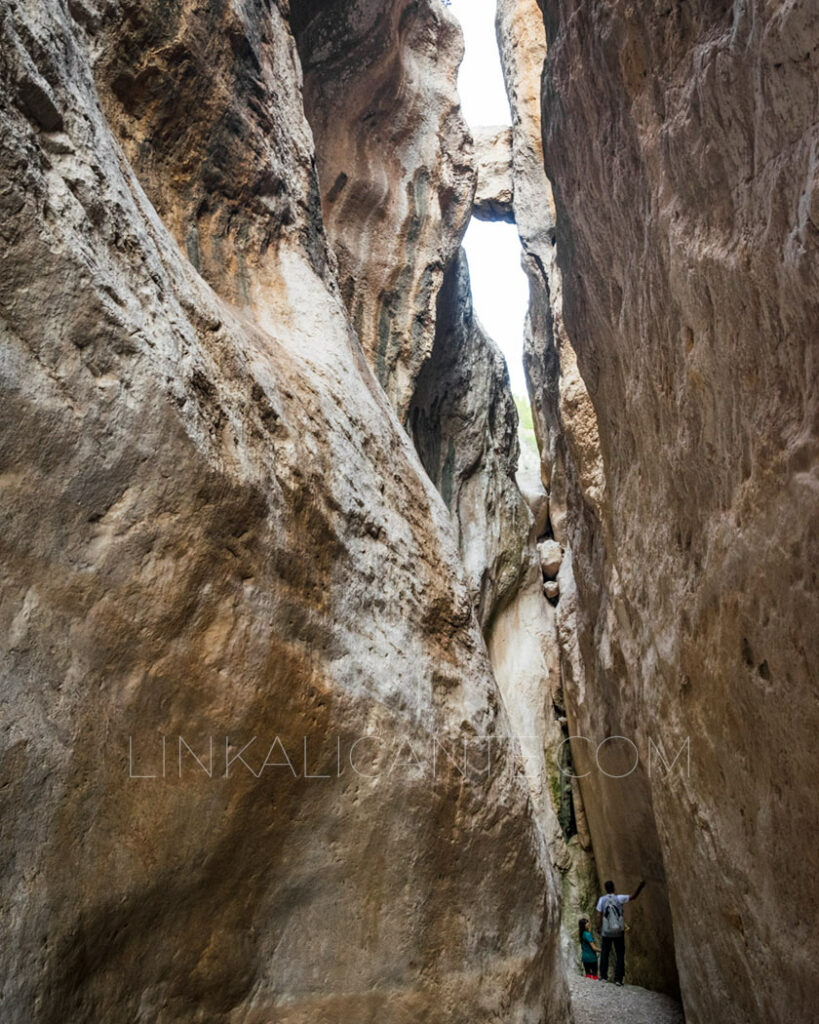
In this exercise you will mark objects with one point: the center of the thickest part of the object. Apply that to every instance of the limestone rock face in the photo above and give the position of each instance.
(214, 527)
(197, 106)
(681, 146)
(530, 483)
(565, 426)
(493, 157)
(395, 166)
(464, 424)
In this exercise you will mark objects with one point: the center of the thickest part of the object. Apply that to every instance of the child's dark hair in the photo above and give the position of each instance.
(582, 926)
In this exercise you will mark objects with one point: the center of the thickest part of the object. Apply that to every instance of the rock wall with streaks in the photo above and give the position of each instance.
(395, 167)
(215, 528)
(464, 424)
(677, 406)
(567, 438)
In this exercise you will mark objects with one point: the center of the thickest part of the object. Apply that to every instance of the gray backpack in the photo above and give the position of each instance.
(613, 922)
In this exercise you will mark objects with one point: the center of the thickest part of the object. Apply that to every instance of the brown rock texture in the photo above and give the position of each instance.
(566, 433)
(681, 144)
(464, 424)
(445, 376)
(214, 526)
(395, 166)
(493, 158)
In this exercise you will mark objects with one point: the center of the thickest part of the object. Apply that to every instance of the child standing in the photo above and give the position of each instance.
(588, 950)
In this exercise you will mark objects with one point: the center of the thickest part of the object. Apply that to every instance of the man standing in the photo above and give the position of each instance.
(612, 927)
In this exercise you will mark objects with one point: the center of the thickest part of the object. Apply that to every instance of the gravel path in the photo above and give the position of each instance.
(601, 1002)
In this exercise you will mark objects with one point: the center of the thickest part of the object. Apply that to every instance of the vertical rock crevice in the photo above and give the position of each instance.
(464, 424)
(446, 378)
(214, 524)
(570, 471)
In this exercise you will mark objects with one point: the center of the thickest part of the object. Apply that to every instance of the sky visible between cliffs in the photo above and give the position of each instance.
(499, 287)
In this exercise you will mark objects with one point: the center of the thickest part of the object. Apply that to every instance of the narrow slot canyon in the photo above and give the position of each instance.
(409, 473)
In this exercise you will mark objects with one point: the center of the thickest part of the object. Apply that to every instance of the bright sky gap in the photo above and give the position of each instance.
(500, 290)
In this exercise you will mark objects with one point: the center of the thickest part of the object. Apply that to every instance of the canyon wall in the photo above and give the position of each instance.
(464, 424)
(681, 145)
(214, 526)
(395, 166)
(388, 131)
(566, 432)
(268, 570)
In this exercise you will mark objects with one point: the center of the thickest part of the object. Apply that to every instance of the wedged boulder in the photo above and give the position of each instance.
(494, 195)
(551, 555)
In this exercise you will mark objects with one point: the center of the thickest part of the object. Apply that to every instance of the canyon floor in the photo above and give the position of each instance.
(598, 1002)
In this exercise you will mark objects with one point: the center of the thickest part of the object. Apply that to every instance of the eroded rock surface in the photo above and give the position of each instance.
(214, 526)
(395, 166)
(681, 146)
(564, 425)
(464, 424)
(493, 158)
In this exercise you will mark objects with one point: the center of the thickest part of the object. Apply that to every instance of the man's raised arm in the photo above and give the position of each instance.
(637, 891)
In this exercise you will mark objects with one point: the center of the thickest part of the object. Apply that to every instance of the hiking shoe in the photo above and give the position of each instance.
(619, 983)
